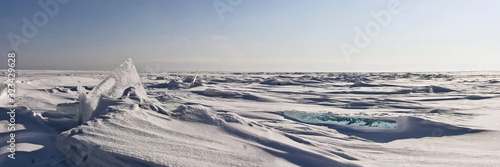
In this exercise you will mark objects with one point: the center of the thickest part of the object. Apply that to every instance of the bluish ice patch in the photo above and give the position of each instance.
(329, 118)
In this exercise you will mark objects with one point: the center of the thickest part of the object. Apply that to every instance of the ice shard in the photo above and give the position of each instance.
(123, 77)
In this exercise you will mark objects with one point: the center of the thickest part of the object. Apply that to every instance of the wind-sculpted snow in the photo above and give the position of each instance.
(258, 119)
(279, 81)
(191, 136)
(175, 84)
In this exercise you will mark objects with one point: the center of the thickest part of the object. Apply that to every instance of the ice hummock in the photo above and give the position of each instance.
(113, 86)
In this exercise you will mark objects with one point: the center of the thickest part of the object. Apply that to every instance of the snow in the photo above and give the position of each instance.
(255, 119)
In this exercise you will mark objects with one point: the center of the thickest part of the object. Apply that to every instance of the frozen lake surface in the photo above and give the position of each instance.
(256, 119)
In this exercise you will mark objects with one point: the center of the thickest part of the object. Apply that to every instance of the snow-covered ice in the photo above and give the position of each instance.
(125, 118)
(113, 86)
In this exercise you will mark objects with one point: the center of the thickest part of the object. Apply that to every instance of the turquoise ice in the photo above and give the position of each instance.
(329, 118)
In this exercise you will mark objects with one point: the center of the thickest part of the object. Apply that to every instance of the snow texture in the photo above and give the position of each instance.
(254, 119)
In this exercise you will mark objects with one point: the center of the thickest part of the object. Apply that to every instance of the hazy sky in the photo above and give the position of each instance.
(255, 35)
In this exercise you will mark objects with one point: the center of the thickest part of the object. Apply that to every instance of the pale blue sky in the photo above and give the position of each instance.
(257, 35)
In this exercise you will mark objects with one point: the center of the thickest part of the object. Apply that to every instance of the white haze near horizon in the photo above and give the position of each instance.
(256, 35)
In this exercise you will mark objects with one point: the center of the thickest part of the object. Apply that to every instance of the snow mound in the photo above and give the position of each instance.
(196, 114)
(361, 83)
(204, 115)
(431, 89)
(216, 92)
(176, 84)
(123, 77)
(279, 81)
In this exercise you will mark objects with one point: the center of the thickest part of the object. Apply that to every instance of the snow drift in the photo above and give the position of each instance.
(120, 129)
(238, 119)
